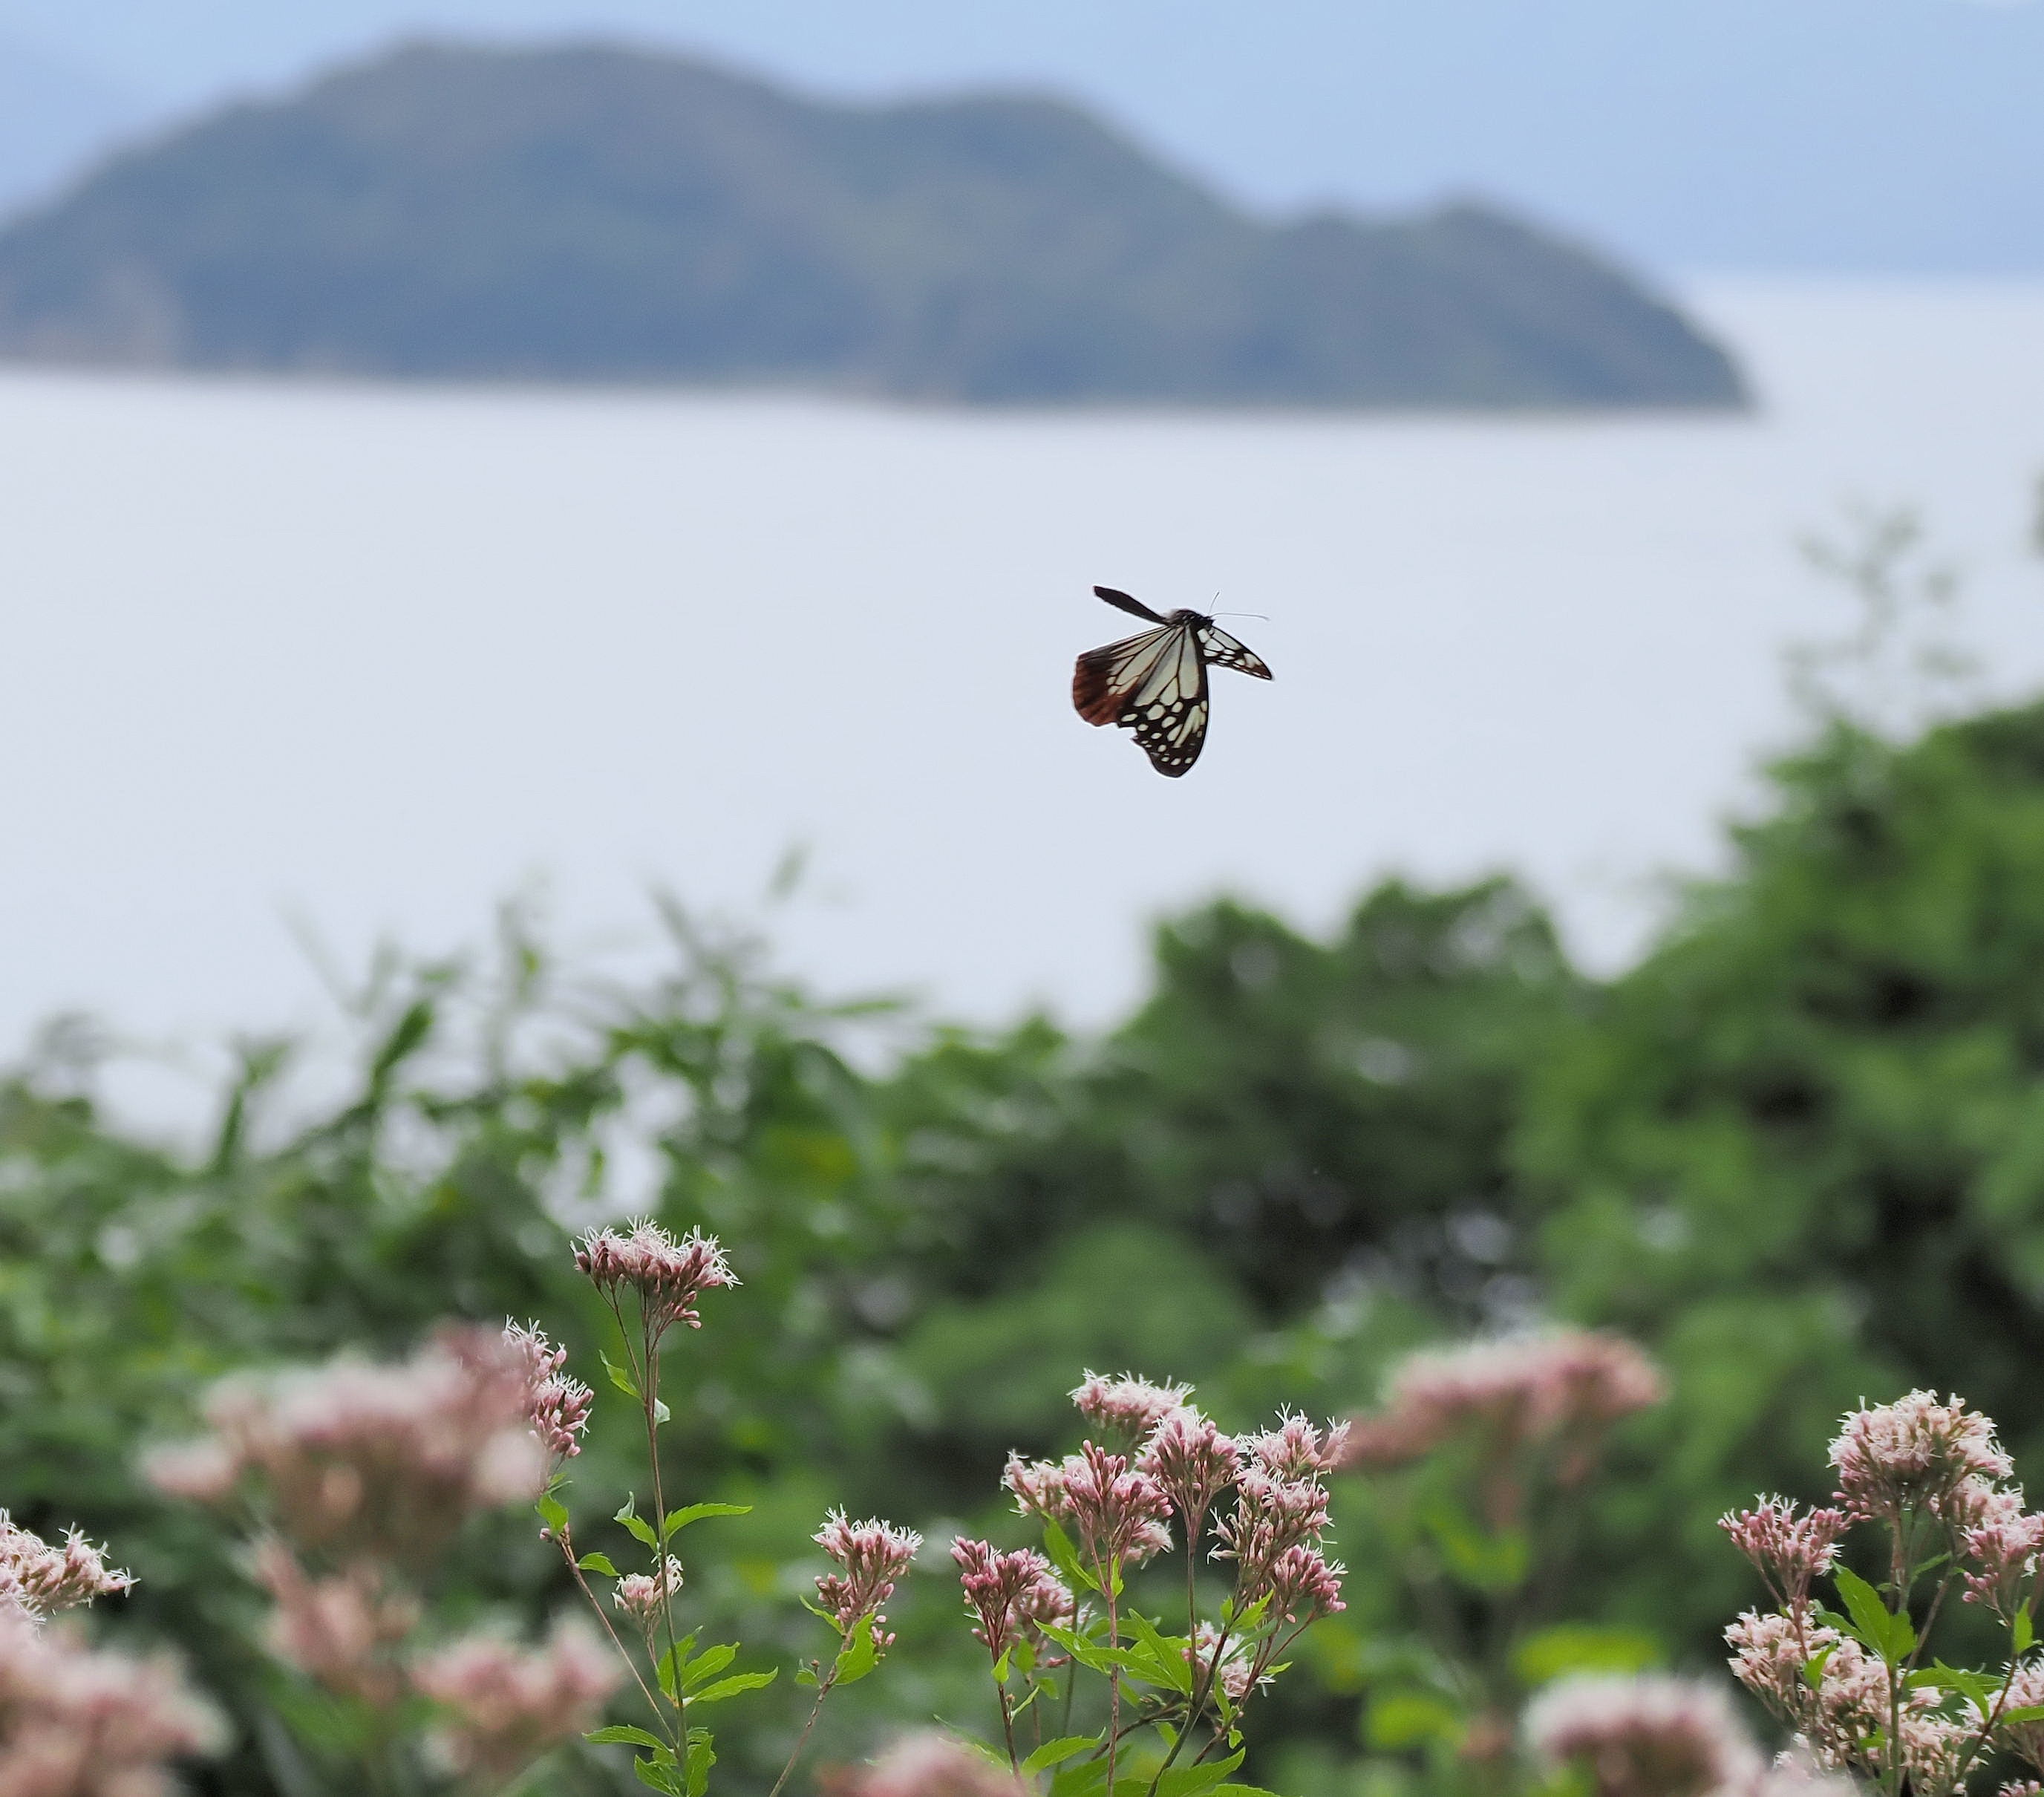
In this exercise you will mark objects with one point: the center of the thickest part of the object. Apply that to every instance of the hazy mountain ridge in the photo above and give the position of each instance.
(594, 212)
(52, 116)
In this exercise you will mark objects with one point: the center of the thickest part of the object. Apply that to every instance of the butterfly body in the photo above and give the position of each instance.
(1154, 683)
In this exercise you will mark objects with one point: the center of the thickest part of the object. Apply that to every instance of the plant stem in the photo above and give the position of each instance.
(649, 1386)
(1114, 1671)
(566, 1542)
(802, 1740)
(1007, 1723)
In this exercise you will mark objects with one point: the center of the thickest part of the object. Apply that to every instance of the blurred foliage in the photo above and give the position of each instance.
(1799, 1150)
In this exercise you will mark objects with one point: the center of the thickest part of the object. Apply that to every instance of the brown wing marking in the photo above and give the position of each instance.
(1105, 678)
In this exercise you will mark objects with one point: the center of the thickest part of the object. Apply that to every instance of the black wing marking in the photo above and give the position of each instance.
(1168, 712)
(1221, 650)
(1123, 601)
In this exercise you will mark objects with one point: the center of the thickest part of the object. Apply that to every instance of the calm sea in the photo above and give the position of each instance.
(372, 658)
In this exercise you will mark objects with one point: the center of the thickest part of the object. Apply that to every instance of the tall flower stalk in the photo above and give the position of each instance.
(650, 1281)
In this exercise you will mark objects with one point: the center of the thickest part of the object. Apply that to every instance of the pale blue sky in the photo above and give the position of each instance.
(1855, 135)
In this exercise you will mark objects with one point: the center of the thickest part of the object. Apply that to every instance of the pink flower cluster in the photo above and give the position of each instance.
(1227, 1660)
(1013, 1594)
(1281, 1516)
(1916, 1453)
(1789, 1547)
(665, 1274)
(36, 1578)
(929, 1764)
(1117, 1512)
(363, 1474)
(2026, 1691)
(1186, 1465)
(1842, 1719)
(1563, 1389)
(1644, 1737)
(1929, 1470)
(644, 1596)
(385, 1462)
(346, 1631)
(874, 1555)
(1126, 1406)
(503, 1705)
(79, 1723)
(556, 1403)
(1194, 1462)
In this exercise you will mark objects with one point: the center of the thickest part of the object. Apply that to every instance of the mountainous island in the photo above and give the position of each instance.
(595, 213)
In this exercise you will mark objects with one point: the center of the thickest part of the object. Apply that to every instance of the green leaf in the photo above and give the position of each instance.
(641, 1529)
(1055, 1752)
(666, 1667)
(597, 1563)
(2025, 1631)
(623, 1735)
(1579, 1647)
(695, 1512)
(2022, 1712)
(1491, 1561)
(701, 1758)
(1001, 1667)
(1876, 1626)
(620, 1378)
(1058, 1544)
(553, 1513)
(732, 1686)
(1084, 1779)
(1191, 1781)
(1401, 1719)
(1088, 1653)
(1169, 1665)
(660, 1777)
(858, 1656)
(707, 1664)
(1980, 1689)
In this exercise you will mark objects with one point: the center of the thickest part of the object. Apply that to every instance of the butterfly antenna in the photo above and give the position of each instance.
(1264, 615)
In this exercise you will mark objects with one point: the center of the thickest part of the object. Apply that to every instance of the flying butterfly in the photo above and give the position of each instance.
(1154, 683)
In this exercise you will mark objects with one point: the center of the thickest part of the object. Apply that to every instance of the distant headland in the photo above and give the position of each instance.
(594, 212)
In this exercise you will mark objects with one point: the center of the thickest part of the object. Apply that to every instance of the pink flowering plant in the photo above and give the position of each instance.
(76, 1720)
(354, 1479)
(651, 1281)
(1925, 1483)
(1478, 1465)
(1167, 1721)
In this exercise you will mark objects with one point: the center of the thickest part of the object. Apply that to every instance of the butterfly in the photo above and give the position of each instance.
(1155, 682)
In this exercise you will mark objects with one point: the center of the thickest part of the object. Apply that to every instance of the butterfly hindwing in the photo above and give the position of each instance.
(1168, 713)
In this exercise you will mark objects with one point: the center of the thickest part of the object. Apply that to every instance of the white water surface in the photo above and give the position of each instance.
(375, 657)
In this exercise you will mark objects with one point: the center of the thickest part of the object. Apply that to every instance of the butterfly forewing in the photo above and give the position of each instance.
(1221, 650)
